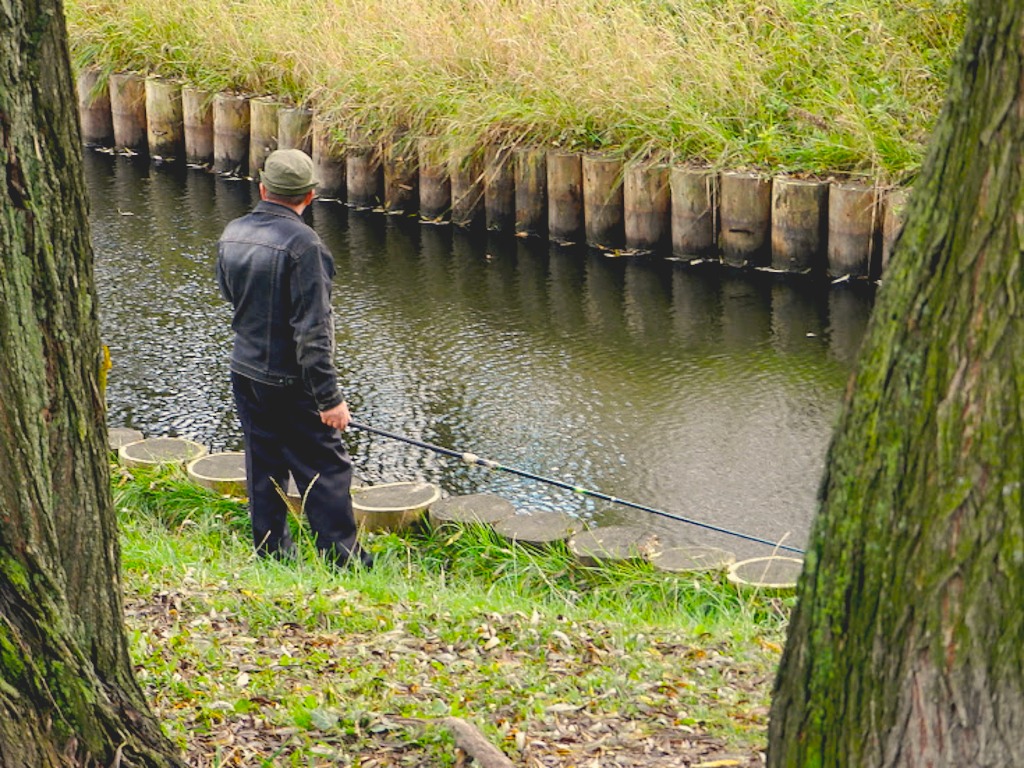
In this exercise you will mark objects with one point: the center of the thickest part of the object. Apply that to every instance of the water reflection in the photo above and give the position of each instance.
(706, 394)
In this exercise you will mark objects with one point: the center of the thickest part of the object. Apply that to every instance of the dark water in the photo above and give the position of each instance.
(706, 394)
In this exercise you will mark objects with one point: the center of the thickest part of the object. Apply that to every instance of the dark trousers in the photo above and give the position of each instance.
(283, 433)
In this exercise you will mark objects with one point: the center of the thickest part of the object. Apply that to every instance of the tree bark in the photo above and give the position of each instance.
(67, 692)
(905, 648)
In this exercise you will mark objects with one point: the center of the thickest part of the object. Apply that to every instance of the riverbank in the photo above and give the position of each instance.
(784, 86)
(553, 663)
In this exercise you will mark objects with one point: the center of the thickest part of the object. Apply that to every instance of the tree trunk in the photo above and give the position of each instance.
(67, 692)
(906, 646)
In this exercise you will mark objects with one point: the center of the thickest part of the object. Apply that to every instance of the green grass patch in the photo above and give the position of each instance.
(246, 658)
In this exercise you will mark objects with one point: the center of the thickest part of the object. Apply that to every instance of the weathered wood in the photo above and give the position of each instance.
(603, 212)
(328, 161)
(468, 739)
(94, 109)
(694, 194)
(365, 177)
(165, 125)
(154, 451)
(118, 436)
(647, 198)
(68, 696)
(435, 184)
(392, 506)
(263, 129)
(221, 472)
(904, 645)
(197, 117)
(231, 120)
(613, 544)
(467, 184)
(565, 197)
(478, 508)
(295, 129)
(531, 191)
(895, 204)
(538, 528)
(854, 230)
(401, 178)
(681, 558)
(772, 573)
(128, 111)
(499, 189)
(799, 224)
(746, 214)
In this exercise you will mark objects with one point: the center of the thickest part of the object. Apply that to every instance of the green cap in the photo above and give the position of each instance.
(288, 172)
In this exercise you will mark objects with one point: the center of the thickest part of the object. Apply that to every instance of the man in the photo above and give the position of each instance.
(276, 272)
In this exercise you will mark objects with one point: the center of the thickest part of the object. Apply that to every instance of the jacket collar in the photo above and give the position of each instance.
(275, 209)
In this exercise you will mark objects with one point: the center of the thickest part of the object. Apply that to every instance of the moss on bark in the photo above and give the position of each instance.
(905, 645)
(67, 692)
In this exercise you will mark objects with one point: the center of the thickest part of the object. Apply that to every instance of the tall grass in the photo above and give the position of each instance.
(823, 86)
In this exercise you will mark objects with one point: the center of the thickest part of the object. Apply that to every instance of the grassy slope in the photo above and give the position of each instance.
(247, 661)
(822, 86)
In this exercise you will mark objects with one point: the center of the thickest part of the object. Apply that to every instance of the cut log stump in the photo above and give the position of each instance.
(118, 436)
(538, 528)
(691, 559)
(154, 451)
(613, 544)
(392, 506)
(479, 508)
(774, 573)
(220, 472)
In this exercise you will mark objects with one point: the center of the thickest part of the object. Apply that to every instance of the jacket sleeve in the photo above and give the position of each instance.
(222, 280)
(313, 324)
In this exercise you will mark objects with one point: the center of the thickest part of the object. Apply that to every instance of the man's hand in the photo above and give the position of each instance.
(337, 417)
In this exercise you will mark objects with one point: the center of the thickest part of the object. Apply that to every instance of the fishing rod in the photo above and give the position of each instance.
(472, 458)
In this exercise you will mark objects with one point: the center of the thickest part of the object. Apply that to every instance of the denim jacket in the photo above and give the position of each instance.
(276, 272)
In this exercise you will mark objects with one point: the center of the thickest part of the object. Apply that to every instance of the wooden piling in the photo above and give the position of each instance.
(94, 109)
(565, 197)
(613, 544)
(435, 184)
(231, 120)
(603, 212)
(365, 177)
(694, 193)
(118, 436)
(328, 162)
(499, 189)
(471, 509)
(295, 129)
(401, 178)
(538, 529)
(165, 124)
(197, 118)
(892, 222)
(799, 224)
(746, 214)
(128, 112)
(530, 169)
(854, 230)
(157, 451)
(262, 132)
(467, 179)
(647, 199)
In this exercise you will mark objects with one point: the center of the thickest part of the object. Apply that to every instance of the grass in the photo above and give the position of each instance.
(805, 86)
(258, 662)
